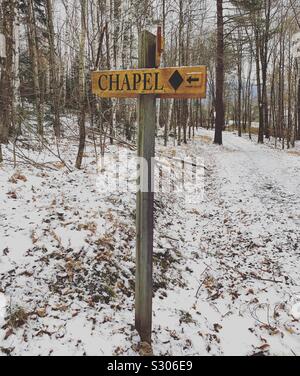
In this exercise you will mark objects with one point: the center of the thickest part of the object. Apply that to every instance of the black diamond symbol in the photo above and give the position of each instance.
(176, 80)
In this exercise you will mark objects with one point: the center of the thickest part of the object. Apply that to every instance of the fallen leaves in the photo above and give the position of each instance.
(264, 347)
(41, 312)
(59, 165)
(72, 267)
(5, 252)
(289, 329)
(186, 318)
(34, 237)
(106, 242)
(17, 177)
(91, 226)
(104, 256)
(8, 333)
(17, 318)
(100, 273)
(12, 195)
(7, 351)
(145, 349)
(217, 328)
(61, 308)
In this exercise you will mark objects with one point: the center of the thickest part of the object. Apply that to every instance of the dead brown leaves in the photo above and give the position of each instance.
(91, 226)
(106, 242)
(204, 139)
(41, 312)
(17, 177)
(72, 267)
(17, 318)
(12, 195)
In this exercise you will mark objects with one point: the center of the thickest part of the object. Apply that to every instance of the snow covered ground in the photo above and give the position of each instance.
(226, 278)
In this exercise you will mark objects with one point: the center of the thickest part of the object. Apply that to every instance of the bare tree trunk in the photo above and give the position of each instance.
(54, 84)
(259, 91)
(16, 74)
(166, 126)
(220, 110)
(81, 120)
(290, 92)
(32, 41)
(239, 100)
(6, 105)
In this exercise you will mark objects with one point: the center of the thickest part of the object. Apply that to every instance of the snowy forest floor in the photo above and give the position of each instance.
(226, 269)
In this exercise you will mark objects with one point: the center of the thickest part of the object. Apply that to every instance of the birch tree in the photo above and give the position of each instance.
(82, 87)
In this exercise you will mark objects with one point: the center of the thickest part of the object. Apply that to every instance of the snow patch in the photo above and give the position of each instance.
(295, 312)
(3, 304)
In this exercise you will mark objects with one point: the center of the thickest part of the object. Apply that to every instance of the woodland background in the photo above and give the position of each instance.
(53, 45)
(226, 270)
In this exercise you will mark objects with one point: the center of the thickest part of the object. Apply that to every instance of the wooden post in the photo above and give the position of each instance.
(181, 82)
(145, 197)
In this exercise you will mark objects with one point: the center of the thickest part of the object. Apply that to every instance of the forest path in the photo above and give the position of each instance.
(245, 281)
(226, 267)
(261, 178)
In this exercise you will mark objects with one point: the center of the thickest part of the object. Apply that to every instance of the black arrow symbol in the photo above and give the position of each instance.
(191, 79)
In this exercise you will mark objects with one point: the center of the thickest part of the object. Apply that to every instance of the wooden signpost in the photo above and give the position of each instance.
(147, 84)
(184, 82)
(145, 196)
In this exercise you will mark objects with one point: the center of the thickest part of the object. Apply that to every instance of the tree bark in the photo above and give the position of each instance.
(220, 110)
(259, 90)
(32, 41)
(81, 120)
(54, 84)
